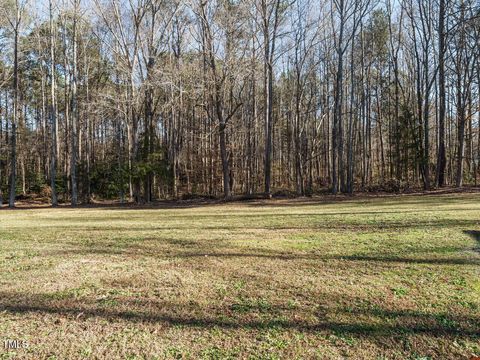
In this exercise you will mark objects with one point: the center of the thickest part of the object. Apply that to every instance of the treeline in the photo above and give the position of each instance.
(148, 99)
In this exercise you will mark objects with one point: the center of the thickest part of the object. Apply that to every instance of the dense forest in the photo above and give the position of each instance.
(147, 99)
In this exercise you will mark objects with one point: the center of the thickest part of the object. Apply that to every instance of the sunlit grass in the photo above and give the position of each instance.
(364, 278)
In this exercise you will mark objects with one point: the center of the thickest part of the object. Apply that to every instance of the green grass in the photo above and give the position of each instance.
(381, 278)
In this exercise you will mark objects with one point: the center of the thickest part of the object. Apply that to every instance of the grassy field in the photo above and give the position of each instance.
(370, 278)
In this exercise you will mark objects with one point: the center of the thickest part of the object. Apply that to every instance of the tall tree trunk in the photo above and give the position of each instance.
(270, 35)
(74, 106)
(53, 112)
(460, 135)
(337, 114)
(441, 158)
(13, 155)
(268, 120)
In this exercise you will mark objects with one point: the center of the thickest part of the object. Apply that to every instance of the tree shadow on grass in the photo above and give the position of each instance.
(362, 258)
(270, 222)
(192, 250)
(362, 322)
(385, 199)
(475, 235)
(375, 199)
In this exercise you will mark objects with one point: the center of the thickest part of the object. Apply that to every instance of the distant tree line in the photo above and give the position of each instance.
(146, 99)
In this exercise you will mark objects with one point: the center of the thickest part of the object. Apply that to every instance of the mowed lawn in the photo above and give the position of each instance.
(366, 278)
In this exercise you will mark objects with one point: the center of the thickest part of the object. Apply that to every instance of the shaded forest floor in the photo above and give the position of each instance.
(388, 277)
(35, 201)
